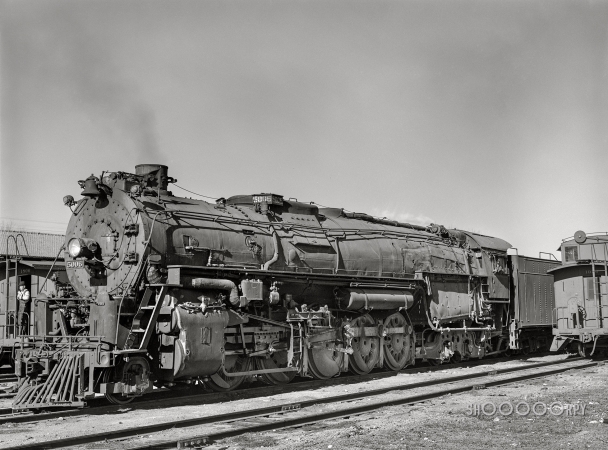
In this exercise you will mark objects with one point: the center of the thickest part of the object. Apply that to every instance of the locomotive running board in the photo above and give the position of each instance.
(59, 389)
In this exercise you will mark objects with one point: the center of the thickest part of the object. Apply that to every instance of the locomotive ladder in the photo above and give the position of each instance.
(602, 292)
(144, 320)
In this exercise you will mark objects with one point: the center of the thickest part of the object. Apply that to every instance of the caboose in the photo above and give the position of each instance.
(580, 317)
(26, 257)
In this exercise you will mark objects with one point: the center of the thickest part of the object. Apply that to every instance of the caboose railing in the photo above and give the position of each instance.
(10, 328)
(558, 315)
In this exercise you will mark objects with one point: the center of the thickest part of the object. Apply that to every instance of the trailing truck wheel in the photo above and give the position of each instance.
(275, 361)
(232, 364)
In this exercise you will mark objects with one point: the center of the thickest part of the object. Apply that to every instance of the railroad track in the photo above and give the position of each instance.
(190, 396)
(226, 425)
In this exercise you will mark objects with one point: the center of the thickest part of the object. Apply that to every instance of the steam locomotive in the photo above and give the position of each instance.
(172, 290)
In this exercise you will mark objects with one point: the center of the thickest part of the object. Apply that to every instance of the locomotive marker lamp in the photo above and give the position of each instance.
(69, 201)
(135, 190)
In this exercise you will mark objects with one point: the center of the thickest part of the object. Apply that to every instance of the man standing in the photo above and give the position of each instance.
(24, 298)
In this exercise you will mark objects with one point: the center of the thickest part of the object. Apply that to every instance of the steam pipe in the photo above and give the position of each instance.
(222, 284)
(275, 257)
(466, 329)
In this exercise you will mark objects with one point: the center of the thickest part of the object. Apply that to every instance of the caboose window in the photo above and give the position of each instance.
(571, 253)
(590, 288)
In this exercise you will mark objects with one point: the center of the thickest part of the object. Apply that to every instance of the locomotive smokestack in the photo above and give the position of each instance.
(157, 175)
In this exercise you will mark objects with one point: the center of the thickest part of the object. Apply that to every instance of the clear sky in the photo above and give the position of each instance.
(489, 116)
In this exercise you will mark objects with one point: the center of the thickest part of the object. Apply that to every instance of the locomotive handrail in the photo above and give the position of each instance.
(68, 341)
(599, 310)
(551, 255)
(236, 221)
(329, 277)
(52, 266)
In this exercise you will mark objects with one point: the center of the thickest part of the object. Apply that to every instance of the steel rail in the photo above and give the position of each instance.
(201, 440)
(261, 412)
(176, 398)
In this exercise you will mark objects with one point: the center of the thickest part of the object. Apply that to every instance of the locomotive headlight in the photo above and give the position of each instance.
(82, 247)
(75, 247)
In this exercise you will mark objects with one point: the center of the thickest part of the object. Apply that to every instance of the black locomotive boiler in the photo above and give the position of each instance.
(170, 289)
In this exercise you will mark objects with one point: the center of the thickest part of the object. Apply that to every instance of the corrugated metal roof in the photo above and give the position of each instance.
(42, 245)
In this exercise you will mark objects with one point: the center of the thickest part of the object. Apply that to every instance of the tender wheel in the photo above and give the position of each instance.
(456, 357)
(232, 364)
(276, 360)
(366, 349)
(397, 346)
(583, 350)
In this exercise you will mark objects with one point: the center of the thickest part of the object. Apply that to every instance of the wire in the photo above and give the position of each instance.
(200, 195)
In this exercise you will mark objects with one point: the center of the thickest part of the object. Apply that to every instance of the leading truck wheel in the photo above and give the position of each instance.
(116, 399)
(277, 360)
(133, 374)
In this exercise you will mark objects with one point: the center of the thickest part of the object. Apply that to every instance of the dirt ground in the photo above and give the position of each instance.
(450, 422)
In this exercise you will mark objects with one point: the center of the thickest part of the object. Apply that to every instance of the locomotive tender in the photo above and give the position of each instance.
(170, 289)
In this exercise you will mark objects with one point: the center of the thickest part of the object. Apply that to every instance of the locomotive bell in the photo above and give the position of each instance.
(90, 187)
